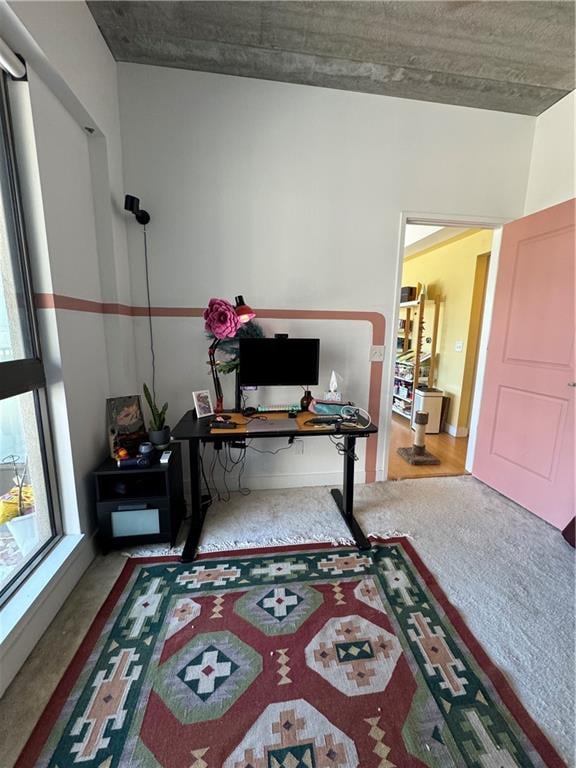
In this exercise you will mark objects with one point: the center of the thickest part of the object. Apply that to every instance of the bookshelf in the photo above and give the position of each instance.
(413, 366)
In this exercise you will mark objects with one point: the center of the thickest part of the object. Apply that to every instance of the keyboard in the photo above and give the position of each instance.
(323, 420)
(278, 408)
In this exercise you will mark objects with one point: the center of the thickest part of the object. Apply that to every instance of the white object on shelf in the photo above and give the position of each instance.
(430, 401)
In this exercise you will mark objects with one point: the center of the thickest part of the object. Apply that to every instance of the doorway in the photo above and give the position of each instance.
(440, 313)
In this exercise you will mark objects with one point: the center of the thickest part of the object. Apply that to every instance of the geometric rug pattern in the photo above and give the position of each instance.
(302, 657)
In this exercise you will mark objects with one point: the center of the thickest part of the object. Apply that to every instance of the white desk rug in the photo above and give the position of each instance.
(268, 519)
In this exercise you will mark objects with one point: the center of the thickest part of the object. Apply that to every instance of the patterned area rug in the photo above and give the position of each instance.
(301, 657)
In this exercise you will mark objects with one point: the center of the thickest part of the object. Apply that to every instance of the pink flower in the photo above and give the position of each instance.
(221, 319)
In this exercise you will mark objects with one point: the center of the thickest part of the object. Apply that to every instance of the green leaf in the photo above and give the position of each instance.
(158, 417)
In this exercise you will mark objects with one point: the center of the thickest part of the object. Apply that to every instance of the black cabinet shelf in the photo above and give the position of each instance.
(140, 504)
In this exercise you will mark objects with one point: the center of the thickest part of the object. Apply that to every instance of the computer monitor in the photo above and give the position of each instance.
(278, 362)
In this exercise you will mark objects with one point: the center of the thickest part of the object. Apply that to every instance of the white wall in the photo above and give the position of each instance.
(552, 176)
(292, 195)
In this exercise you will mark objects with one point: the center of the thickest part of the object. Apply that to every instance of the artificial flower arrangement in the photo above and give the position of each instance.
(223, 325)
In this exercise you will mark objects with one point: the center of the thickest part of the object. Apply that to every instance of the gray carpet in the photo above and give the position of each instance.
(510, 574)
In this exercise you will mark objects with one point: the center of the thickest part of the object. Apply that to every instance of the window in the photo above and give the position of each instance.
(29, 523)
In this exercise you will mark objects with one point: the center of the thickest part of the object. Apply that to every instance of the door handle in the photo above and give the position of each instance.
(572, 383)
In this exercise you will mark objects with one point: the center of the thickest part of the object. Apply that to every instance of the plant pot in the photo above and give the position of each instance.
(23, 529)
(160, 437)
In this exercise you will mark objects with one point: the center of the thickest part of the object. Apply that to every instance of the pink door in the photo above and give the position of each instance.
(525, 438)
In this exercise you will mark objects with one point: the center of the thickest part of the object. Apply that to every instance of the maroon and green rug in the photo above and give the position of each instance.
(303, 657)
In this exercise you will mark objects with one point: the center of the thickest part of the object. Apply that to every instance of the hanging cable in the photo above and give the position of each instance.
(240, 461)
(152, 352)
(342, 450)
(208, 490)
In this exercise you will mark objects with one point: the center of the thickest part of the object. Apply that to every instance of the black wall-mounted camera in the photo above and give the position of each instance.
(132, 204)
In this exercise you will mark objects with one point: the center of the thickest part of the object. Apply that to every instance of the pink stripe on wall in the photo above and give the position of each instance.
(377, 321)
(58, 301)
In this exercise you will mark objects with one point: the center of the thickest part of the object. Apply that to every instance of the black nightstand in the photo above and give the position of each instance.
(141, 504)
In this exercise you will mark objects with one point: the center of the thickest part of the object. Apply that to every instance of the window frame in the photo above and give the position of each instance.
(23, 376)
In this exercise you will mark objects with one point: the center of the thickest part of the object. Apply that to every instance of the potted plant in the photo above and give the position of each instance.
(17, 507)
(159, 432)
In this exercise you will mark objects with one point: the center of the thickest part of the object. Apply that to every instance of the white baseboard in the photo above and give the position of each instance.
(271, 482)
(277, 482)
(455, 431)
(27, 615)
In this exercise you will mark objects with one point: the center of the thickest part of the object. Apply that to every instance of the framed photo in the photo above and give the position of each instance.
(125, 422)
(203, 403)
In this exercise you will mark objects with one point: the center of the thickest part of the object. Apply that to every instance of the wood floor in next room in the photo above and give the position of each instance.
(450, 450)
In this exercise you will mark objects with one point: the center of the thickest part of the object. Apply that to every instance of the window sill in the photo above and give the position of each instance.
(17, 612)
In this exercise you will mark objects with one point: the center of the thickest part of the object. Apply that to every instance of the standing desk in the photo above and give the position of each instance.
(197, 431)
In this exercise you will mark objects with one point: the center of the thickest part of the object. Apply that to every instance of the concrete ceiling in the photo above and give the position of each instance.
(508, 56)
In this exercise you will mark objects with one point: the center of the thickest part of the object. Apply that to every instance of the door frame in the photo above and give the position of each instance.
(447, 220)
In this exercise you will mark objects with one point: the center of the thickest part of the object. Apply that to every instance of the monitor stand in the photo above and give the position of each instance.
(238, 391)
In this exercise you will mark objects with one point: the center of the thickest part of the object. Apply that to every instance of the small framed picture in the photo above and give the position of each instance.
(202, 403)
(126, 427)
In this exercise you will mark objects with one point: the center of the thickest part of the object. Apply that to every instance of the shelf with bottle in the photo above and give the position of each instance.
(410, 379)
(404, 389)
(405, 327)
(404, 371)
(415, 350)
(402, 409)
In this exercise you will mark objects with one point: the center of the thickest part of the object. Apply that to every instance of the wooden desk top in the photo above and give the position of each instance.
(190, 428)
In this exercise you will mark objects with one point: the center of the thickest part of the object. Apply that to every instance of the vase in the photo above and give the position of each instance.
(305, 400)
(160, 438)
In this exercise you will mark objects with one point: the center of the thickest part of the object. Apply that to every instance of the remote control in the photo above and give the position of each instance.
(165, 458)
(223, 425)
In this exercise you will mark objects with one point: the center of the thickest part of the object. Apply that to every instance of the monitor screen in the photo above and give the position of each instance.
(278, 362)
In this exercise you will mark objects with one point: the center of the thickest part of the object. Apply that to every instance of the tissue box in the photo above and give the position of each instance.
(336, 397)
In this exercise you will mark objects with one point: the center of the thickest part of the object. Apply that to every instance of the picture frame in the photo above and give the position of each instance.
(202, 403)
(125, 424)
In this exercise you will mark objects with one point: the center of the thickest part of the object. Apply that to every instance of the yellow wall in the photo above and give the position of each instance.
(450, 272)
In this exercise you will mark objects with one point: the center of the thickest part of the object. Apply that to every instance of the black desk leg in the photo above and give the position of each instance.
(345, 498)
(197, 511)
